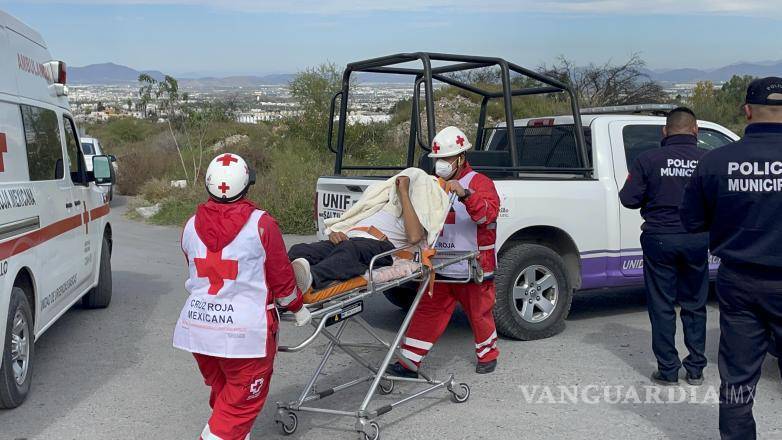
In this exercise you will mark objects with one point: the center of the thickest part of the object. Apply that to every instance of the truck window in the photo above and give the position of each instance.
(545, 146)
(639, 138)
(44, 147)
(72, 148)
(88, 148)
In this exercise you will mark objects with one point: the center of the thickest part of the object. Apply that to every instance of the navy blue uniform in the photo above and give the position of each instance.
(676, 266)
(736, 195)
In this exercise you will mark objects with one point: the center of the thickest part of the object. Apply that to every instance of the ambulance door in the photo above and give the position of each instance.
(59, 219)
(85, 247)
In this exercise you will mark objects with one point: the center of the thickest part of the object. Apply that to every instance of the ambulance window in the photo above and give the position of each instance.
(44, 147)
(72, 148)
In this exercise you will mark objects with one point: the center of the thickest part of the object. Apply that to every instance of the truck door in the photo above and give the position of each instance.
(628, 140)
(85, 247)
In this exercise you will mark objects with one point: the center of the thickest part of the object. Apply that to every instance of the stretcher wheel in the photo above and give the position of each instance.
(375, 428)
(288, 429)
(463, 396)
(386, 387)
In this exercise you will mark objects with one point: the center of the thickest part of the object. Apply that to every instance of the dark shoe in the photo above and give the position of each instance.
(695, 381)
(486, 367)
(400, 370)
(659, 379)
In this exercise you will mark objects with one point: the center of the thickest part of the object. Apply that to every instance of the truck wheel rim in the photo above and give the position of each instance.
(535, 293)
(20, 347)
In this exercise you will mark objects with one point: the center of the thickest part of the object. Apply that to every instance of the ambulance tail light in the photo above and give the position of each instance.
(62, 73)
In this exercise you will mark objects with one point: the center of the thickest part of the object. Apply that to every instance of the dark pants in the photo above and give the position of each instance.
(750, 313)
(331, 262)
(676, 270)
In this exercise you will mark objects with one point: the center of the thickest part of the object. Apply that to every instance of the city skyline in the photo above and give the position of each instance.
(193, 38)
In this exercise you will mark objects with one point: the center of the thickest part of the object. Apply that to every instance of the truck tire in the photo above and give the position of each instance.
(533, 292)
(401, 296)
(17, 368)
(99, 297)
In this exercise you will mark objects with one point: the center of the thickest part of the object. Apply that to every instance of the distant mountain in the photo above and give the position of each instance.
(766, 68)
(107, 73)
(110, 74)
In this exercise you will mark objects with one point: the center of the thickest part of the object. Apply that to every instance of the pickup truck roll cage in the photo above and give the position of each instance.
(425, 76)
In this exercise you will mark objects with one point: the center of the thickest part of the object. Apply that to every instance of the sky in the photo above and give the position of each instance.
(231, 37)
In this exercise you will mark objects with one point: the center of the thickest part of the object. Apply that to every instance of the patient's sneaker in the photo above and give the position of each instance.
(301, 270)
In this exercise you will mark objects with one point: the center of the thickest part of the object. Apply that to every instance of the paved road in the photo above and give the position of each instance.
(112, 374)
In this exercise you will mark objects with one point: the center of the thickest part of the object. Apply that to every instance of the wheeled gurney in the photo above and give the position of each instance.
(341, 309)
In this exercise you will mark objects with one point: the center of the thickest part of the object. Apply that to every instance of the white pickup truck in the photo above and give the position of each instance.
(569, 232)
(561, 227)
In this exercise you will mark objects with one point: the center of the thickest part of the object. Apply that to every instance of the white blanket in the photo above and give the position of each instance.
(430, 202)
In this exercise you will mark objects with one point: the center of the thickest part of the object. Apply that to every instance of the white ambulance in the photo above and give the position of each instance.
(55, 238)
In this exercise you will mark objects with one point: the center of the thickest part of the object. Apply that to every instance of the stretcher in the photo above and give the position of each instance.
(342, 307)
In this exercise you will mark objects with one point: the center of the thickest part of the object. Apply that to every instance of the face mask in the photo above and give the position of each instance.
(443, 168)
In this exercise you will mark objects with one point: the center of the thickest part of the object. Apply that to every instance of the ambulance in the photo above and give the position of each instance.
(55, 238)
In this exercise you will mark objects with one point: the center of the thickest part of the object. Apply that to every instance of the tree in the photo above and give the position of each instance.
(146, 91)
(100, 107)
(608, 84)
(313, 89)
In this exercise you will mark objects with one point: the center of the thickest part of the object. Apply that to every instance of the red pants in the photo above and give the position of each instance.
(433, 314)
(239, 390)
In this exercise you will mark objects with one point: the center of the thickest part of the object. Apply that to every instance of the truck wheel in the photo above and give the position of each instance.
(100, 296)
(402, 296)
(533, 292)
(17, 367)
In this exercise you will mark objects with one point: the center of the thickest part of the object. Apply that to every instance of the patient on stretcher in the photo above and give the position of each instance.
(394, 214)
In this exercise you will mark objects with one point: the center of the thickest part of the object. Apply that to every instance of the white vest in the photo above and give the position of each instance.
(460, 234)
(226, 313)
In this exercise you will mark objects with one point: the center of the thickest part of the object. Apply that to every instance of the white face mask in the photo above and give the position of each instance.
(443, 168)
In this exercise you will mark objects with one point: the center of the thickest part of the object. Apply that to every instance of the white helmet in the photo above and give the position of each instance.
(449, 142)
(228, 178)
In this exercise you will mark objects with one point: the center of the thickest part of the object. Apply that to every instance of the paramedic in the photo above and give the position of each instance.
(676, 268)
(346, 255)
(238, 271)
(736, 195)
(470, 226)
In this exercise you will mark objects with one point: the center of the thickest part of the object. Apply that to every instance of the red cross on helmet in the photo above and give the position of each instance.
(228, 178)
(449, 142)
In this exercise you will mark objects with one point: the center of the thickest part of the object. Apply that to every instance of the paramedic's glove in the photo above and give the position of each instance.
(303, 317)
(453, 186)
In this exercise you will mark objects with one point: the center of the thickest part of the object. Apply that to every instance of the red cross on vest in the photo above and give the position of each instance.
(216, 269)
(3, 150)
(223, 187)
(460, 141)
(450, 219)
(436, 148)
(226, 159)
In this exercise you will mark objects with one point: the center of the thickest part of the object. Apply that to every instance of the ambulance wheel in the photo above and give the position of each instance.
(533, 292)
(99, 296)
(386, 387)
(17, 364)
(289, 428)
(463, 396)
(375, 434)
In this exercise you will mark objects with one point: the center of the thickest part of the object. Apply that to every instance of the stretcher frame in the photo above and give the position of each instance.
(381, 382)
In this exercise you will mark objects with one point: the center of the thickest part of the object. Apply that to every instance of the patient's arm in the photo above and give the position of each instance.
(413, 228)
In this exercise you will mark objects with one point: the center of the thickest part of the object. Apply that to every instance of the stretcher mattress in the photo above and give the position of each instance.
(316, 296)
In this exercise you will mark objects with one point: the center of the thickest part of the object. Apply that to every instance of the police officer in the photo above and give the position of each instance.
(736, 195)
(675, 262)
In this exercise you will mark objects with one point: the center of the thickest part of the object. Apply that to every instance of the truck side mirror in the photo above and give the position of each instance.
(101, 170)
